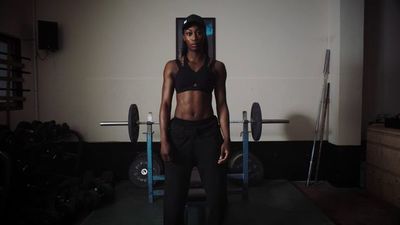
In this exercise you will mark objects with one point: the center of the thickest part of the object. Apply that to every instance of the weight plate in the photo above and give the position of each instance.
(256, 121)
(138, 169)
(256, 168)
(133, 126)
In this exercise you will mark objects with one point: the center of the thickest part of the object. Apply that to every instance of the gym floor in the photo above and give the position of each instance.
(272, 202)
(350, 206)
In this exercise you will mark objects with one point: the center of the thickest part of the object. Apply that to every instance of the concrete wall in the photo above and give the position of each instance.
(113, 53)
(351, 72)
(381, 60)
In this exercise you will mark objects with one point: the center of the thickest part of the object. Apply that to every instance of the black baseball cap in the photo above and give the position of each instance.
(193, 20)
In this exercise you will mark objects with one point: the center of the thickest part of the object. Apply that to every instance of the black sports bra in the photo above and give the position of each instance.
(186, 79)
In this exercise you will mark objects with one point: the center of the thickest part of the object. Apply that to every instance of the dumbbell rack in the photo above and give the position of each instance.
(151, 179)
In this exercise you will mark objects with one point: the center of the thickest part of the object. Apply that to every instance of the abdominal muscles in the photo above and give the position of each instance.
(193, 105)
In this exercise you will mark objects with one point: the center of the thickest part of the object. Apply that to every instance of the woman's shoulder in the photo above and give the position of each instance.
(172, 65)
(217, 66)
(172, 62)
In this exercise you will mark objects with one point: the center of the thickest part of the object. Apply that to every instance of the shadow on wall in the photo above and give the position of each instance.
(288, 159)
(301, 127)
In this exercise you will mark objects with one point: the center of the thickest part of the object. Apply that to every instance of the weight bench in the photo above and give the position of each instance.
(195, 177)
(196, 199)
(255, 123)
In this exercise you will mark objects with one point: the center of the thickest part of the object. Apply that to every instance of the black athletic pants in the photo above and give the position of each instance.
(194, 143)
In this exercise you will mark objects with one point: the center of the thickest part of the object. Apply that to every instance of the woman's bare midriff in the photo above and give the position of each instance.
(193, 105)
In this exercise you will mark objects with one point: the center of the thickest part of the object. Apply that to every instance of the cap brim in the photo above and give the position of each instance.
(192, 23)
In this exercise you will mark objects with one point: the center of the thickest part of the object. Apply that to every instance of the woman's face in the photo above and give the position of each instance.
(194, 38)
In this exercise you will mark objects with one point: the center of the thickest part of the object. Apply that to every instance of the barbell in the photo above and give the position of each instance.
(133, 122)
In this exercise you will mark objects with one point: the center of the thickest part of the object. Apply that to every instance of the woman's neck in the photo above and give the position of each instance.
(195, 56)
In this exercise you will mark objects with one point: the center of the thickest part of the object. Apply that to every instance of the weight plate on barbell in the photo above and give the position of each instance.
(256, 121)
(133, 126)
(138, 169)
(256, 168)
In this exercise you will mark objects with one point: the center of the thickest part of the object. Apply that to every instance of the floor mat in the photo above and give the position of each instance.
(272, 202)
(350, 206)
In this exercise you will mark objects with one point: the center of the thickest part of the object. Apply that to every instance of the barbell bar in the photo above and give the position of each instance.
(133, 122)
(262, 121)
(125, 123)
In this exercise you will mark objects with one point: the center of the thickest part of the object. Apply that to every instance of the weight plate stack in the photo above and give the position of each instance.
(256, 168)
(138, 169)
(256, 121)
(133, 126)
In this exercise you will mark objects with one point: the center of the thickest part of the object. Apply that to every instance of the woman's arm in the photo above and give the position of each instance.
(222, 110)
(165, 108)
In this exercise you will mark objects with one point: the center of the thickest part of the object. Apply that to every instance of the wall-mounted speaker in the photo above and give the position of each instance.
(47, 35)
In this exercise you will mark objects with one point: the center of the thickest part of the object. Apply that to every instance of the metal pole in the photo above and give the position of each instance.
(149, 140)
(245, 158)
(35, 65)
(316, 135)
(318, 120)
(321, 137)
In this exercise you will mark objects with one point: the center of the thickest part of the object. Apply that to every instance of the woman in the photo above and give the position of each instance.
(195, 136)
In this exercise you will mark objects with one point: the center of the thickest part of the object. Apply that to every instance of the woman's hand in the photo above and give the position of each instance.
(165, 151)
(225, 150)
